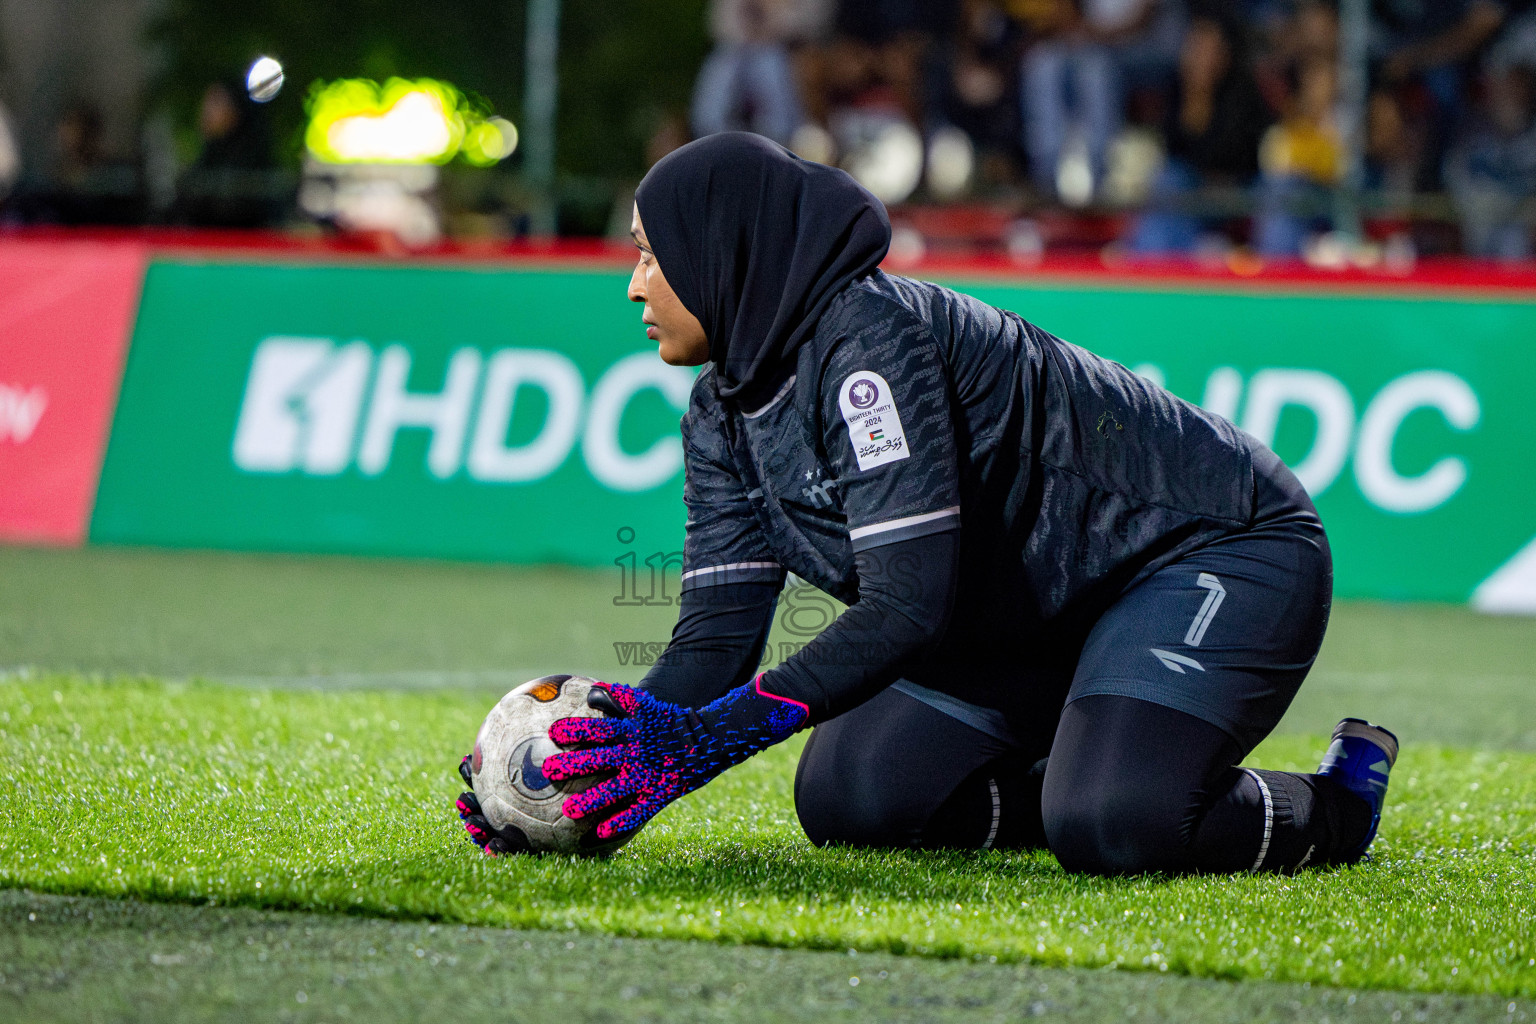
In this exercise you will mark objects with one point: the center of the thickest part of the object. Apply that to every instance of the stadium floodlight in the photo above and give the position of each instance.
(490, 141)
(415, 129)
(421, 121)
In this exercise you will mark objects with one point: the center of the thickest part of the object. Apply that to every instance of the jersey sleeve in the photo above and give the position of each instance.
(888, 433)
(724, 542)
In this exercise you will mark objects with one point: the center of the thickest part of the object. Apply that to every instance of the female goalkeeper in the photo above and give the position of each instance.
(1076, 602)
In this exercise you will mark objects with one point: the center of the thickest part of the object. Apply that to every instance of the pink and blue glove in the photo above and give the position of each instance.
(661, 751)
(494, 841)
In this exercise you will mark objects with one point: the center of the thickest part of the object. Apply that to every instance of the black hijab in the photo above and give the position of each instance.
(756, 242)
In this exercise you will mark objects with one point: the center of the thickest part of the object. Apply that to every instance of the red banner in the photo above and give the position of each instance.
(66, 310)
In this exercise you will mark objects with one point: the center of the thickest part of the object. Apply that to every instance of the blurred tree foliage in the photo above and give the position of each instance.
(624, 66)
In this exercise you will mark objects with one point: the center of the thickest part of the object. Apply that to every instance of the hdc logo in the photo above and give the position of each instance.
(317, 407)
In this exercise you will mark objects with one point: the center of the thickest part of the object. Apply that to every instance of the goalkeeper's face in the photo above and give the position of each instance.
(678, 334)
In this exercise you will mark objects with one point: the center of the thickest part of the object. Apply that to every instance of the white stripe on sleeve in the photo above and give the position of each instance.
(860, 532)
(732, 567)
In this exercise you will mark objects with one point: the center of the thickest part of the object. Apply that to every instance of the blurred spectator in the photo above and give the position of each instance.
(229, 185)
(670, 133)
(1306, 33)
(748, 81)
(1074, 81)
(1491, 171)
(233, 129)
(1302, 158)
(876, 88)
(1389, 147)
(1212, 135)
(86, 186)
(1269, 21)
(1311, 33)
(977, 89)
(1428, 43)
(881, 55)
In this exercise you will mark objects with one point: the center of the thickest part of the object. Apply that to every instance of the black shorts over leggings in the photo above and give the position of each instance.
(1176, 683)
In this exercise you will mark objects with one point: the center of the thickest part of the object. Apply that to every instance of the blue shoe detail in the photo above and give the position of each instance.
(1360, 759)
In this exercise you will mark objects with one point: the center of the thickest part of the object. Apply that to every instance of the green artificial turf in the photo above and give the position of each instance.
(196, 795)
(311, 620)
(339, 802)
(1431, 672)
(84, 960)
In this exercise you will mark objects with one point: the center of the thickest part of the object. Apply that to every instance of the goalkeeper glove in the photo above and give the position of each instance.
(661, 751)
(488, 837)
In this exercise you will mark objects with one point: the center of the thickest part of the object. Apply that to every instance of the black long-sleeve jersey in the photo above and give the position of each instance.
(917, 411)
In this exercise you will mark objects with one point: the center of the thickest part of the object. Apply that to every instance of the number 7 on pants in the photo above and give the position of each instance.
(1207, 610)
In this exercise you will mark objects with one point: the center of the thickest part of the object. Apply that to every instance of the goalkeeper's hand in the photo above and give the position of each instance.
(660, 750)
(494, 841)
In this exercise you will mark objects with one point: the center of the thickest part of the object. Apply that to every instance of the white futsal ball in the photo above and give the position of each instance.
(509, 755)
(264, 80)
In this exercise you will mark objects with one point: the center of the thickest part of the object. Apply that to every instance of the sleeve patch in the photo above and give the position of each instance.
(874, 425)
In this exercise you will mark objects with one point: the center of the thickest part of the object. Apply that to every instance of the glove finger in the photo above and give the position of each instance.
(572, 764)
(480, 830)
(464, 772)
(630, 819)
(466, 804)
(626, 697)
(601, 797)
(587, 730)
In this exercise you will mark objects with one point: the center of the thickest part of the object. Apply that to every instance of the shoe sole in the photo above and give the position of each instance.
(1358, 728)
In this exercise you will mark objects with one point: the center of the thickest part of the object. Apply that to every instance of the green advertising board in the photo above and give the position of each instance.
(521, 415)
(1407, 417)
(450, 413)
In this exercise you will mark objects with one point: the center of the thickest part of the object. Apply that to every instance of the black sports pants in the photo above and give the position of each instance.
(1176, 683)
(1129, 786)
